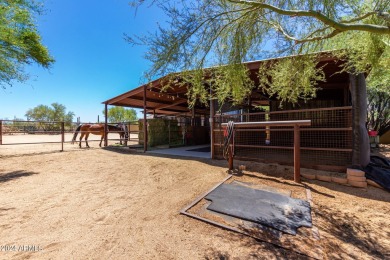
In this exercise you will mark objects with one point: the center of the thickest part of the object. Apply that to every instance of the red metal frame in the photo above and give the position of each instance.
(294, 123)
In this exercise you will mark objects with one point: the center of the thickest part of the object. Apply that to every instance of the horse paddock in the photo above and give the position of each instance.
(110, 203)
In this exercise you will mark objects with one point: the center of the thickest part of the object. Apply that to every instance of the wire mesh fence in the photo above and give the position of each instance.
(328, 141)
(14, 132)
(172, 132)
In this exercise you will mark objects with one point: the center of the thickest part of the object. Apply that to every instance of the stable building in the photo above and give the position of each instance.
(336, 139)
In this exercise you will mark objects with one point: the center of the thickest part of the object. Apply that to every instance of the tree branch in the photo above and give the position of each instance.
(358, 18)
(279, 28)
(339, 26)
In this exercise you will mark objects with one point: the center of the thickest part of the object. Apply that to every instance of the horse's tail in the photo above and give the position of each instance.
(75, 133)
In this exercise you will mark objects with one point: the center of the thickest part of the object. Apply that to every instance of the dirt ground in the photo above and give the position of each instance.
(120, 204)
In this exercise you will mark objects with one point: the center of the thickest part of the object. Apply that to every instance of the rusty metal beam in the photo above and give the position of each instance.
(297, 146)
(297, 154)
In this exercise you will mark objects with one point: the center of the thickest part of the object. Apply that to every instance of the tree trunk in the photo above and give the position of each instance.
(361, 144)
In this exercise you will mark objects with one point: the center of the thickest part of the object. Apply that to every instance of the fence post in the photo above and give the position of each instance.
(62, 135)
(1, 132)
(145, 122)
(129, 131)
(297, 154)
(105, 125)
(169, 133)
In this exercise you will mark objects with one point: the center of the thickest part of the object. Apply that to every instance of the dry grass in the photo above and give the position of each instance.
(109, 204)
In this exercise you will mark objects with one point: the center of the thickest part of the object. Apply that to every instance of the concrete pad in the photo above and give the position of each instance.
(183, 151)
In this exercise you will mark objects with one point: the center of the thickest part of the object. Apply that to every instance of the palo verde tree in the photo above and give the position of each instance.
(224, 33)
(378, 111)
(20, 42)
(121, 114)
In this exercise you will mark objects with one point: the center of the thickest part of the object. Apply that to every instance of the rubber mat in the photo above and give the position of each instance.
(267, 208)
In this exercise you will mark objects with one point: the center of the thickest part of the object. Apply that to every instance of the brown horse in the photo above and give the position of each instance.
(98, 129)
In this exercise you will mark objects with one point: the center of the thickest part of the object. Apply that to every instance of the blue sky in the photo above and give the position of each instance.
(93, 61)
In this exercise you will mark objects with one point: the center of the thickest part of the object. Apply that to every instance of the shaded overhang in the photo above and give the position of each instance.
(173, 100)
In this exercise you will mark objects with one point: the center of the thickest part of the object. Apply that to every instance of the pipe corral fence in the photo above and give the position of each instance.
(325, 144)
(54, 132)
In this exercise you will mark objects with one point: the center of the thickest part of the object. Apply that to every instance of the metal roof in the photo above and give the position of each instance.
(173, 101)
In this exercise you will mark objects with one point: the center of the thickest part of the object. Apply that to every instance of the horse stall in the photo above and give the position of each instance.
(335, 140)
(169, 121)
(325, 144)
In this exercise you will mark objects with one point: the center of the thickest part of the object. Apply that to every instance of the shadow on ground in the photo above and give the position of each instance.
(254, 249)
(282, 174)
(337, 226)
(9, 176)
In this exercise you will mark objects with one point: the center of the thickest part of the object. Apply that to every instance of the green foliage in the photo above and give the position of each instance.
(121, 114)
(291, 79)
(378, 112)
(232, 82)
(224, 33)
(20, 42)
(56, 112)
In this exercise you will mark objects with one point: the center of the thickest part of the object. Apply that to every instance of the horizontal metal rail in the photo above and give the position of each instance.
(270, 123)
(290, 147)
(287, 111)
(290, 129)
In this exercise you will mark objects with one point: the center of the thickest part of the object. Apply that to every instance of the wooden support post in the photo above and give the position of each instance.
(1, 132)
(231, 153)
(212, 121)
(360, 141)
(193, 116)
(62, 135)
(145, 124)
(105, 125)
(297, 154)
(169, 134)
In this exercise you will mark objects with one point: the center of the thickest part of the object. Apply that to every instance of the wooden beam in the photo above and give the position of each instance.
(157, 104)
(135, 91)
(171, 105)
(158, 111)
(155, 101)
(174, 109)
(165, 94)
